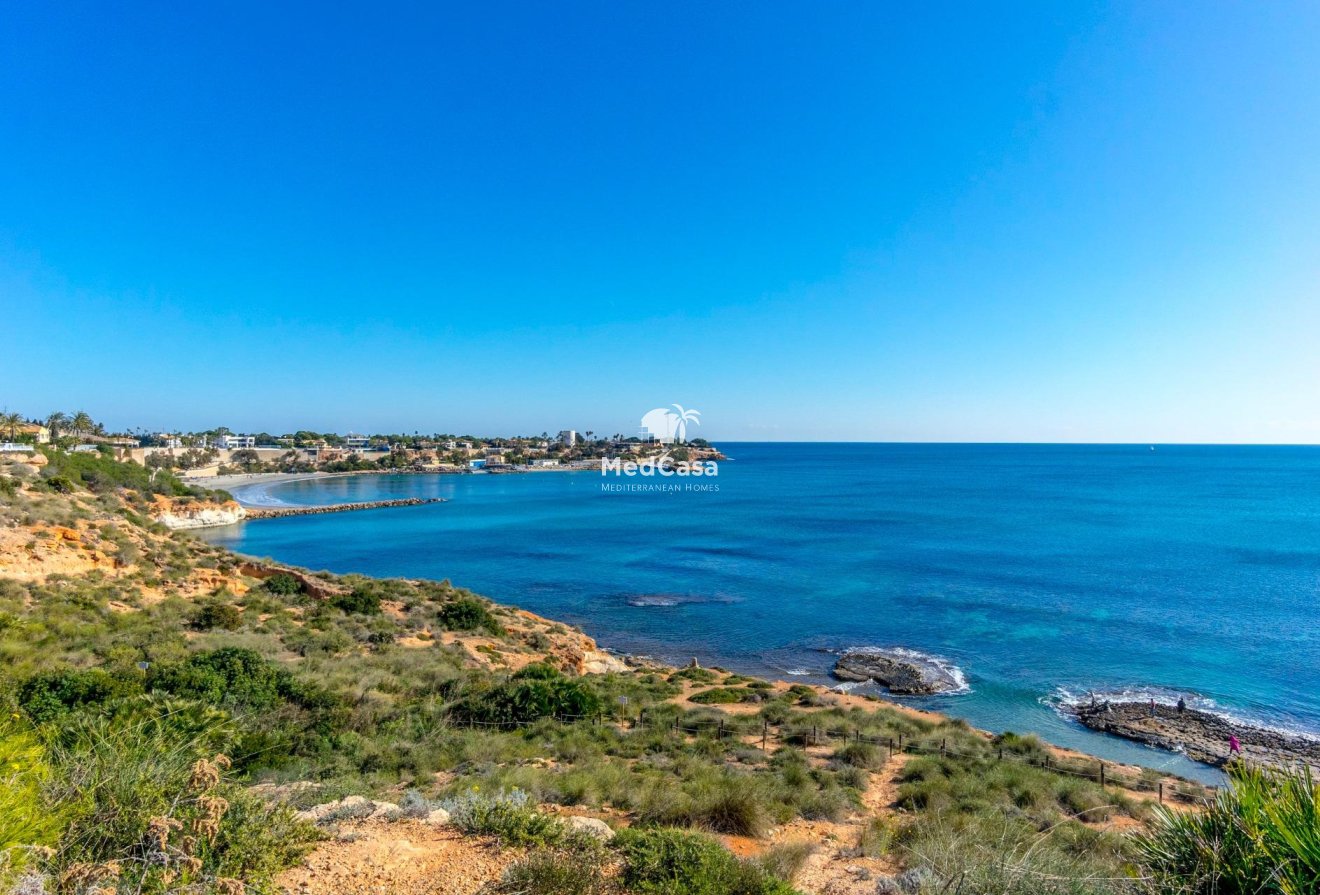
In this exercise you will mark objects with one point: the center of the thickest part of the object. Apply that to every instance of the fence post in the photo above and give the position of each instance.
(720, 735)
(765, 732)
(900, 742)
(813, 735)
(1001, 753)
(891, 747)
(1102, 773)
(942, 743)
(1161, 792)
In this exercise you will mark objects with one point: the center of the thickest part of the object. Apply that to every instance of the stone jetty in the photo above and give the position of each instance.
(1202, 736)
(277, 512)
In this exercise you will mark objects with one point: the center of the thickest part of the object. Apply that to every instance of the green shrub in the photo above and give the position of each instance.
(1260, 835)
(557, 872)
(283, 584)
(358, 601)
(720, 696)
(861, 755)
(540, 693)
(675, 862)
(696, 674)
(509, 816)
(227, 675)
(218, 615)
(467, 614)
(44, 697)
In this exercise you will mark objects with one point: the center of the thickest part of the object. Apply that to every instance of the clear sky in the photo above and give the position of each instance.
(810, 221)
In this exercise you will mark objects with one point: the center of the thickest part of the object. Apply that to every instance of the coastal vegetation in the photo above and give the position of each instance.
(176, 718)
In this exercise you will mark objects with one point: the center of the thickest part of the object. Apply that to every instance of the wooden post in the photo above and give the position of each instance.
(765, 732)
(1102, 773)
(891, 747)
(721, 733)
(942, 743)
(900, 742)
(813, 734)
(1161, 792)
(1001, 753)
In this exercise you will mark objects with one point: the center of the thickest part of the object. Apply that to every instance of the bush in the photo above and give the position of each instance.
(509, 816)
(47, 696)
(467, 614)
(861, 755)
(1260, 835)
(530, 695)
(283, 584)
(674, 862)
(720, 696)
(218, 615)
(230, 674)
(557, 872)
(358, 601)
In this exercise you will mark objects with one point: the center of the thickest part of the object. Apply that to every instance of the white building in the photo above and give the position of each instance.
(568, 437)
(235, 442)
(355, 442)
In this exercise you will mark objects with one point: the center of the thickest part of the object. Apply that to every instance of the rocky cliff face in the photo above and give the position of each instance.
(198, 515)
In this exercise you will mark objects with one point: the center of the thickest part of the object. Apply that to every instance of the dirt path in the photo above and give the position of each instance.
(397, 858)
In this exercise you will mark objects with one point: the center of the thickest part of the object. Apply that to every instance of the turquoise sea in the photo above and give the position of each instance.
(1042, 572)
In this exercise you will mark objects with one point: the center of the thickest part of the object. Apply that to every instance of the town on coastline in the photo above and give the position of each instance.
(222, 452)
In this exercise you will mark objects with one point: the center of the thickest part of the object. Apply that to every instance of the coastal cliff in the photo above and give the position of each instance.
(181, 516)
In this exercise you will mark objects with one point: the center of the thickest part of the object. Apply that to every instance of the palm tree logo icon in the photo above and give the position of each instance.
(670, 426)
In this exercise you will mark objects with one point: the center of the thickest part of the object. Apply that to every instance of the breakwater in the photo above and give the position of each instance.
(277, 512)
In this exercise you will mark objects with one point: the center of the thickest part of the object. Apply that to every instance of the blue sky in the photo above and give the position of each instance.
(882, 221)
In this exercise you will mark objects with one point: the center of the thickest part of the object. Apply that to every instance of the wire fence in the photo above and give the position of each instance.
(1098, 771)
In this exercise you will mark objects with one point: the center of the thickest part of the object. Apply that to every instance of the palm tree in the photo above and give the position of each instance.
(81, 423)
(55, 422)
(681, 419)
(11, 421)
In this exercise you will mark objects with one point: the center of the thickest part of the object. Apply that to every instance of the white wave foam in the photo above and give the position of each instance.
(648, 602)
(1064, 699)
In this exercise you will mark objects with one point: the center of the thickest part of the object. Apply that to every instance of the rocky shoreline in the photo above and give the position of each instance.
(279, 512)
(1201, 735)
(901, 672)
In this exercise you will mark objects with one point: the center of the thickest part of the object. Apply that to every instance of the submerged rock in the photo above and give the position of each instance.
(899, 671)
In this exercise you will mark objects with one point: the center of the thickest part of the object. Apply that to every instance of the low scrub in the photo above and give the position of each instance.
(1261, 835)
(675, 862)
(509, 816)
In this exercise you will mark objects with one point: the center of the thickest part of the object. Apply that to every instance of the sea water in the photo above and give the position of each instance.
(1039, 572)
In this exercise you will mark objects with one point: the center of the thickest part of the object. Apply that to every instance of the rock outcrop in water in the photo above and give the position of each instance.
(1203, 736)
(899, 671)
